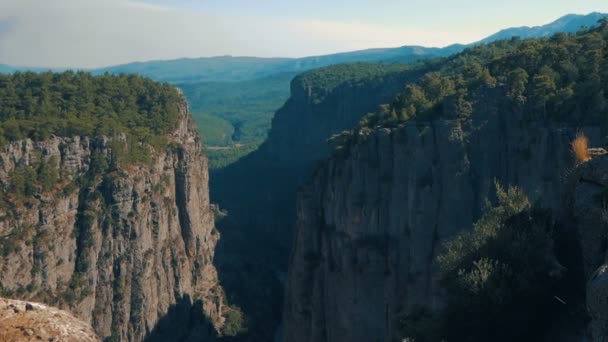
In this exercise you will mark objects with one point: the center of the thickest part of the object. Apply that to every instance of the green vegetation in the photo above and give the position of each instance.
(29, 180)
(237, 69)
(324, 80)
(12, 242)
(497, 276)
(248, 106)
(235, 322)
(238, 115)
(214, 130)
(562, 78)
(235, 115)
(222, 157)
(37, 106)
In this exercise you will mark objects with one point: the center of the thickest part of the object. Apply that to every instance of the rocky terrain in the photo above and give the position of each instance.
(24, 321)
(587, 207)
(423, 169)
(372, 220)
(127, 249)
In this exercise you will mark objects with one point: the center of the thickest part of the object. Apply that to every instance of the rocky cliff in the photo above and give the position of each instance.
(25, 321)
(586, 206)
(327, 101)
(373, 218)
(126, 247)
(259, 190)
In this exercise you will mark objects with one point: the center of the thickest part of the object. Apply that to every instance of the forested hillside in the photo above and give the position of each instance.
(38, 105)
(234, 116)
(562, 78)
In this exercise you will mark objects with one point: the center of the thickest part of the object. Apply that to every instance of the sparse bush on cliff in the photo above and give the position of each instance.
(497, 274)
(234, 323)
(580, 146)
(498, 277)
(29, 180)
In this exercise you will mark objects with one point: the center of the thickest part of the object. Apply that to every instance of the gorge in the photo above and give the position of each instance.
(337, 227)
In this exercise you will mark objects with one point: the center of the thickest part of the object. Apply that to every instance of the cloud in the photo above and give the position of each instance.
(87, 33)
(92, 33)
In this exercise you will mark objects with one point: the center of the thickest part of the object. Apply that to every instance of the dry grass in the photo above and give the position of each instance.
(580, 148)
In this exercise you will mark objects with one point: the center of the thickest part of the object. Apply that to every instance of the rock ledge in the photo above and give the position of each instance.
(26, 321)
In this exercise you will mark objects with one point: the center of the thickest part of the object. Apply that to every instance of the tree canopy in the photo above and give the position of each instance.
(38, 105)
(562, 78)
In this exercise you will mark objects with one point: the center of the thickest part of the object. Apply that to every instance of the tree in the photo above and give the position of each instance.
(517, 82)
(48, 173)
(543, 88)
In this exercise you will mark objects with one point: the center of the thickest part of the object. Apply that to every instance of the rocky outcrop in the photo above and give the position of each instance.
(120, 247)
(373, 218)
(24, 321)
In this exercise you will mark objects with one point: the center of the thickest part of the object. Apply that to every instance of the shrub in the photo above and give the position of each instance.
(235, 322)
(580, 147)
(497, 274)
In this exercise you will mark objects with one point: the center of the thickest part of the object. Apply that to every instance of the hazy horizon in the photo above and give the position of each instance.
(91, 33)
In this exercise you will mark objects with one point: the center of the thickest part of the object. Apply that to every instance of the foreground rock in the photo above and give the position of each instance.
(25, 321)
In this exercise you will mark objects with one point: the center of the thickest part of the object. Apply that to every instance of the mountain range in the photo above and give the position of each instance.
(239, 68)
(229, 68)
(233, 98)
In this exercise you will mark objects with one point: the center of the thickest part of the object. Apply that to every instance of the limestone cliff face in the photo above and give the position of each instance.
(24, 321)
(128, 250)
(372, 220)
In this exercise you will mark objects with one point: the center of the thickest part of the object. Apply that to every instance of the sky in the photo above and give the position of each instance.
(96, 33)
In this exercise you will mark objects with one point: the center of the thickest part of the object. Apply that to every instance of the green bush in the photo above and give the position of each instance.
(497, 275)
(235, 322)
(38, 105)
(29, 180)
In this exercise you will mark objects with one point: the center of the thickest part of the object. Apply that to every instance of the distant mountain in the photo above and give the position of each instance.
(234, 98)
(567, 24)
(229, 68)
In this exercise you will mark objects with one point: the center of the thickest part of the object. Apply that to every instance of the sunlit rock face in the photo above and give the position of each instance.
(129, 251)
